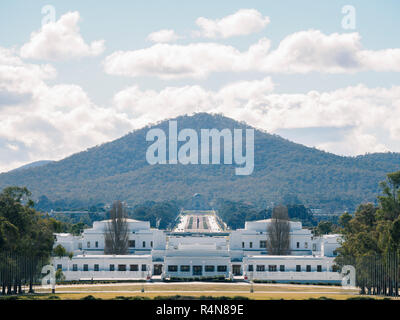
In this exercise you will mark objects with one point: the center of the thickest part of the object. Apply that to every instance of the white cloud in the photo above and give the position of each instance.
(60, 40)
(243, 22)
(163, 36)
(20, 77)
(314, 51)
(54, 121)
(367, 116)
(169, 61)
(301, 52)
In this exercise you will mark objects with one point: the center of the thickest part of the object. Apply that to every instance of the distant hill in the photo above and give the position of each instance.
(118, 170)
(33, 165)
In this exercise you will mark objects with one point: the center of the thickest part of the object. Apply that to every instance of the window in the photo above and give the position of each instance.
(144, 244)
(59, 267)
(250, 268)
(144, 267)
(122, 267)
(282, 268)
(297, 245)
(319, 268)
(263, 243)
(314, 247)
(242, 244)
(85, 267)
(134, 267)
(209, 268)
(74, 267)
(251, 244)
(260, 268)
(96, 267)
(298, 268)
(88, 244)
(131, 243)
(308, 268)
(306, 245)
(96, 244)
(151, 244)
(185, 268)
(221, 268)
(80, 245)
(173, 268)
(272, 268)
(197, 270)
(112, 267)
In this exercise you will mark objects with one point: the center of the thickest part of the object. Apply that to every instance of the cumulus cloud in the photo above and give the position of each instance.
(163, 36)
(53, 121)
(300, 52)
(171, 61)
(314, 51)
(243, 22)
(364, 117)
(60, 40)
(47, 122)
(19, 77)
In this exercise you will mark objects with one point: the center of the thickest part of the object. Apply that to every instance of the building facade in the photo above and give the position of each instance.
(239, 254)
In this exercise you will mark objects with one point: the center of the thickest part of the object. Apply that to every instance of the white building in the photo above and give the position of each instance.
(142, 239)
(253, 238)
(241, 253)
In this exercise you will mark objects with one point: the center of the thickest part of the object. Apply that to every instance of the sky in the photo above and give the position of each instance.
(75, 74)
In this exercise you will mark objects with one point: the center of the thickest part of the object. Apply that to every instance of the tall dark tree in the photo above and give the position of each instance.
(372, 239)
(278, 231)
(116, 233)
(26, 239)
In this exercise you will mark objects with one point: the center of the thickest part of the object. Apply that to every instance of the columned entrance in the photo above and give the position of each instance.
(237, 270)
(157, 269)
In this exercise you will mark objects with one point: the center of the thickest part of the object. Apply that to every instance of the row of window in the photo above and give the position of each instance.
(273, 268)
(263, 244)
(131, 244)
(96, 267)
(186, 268)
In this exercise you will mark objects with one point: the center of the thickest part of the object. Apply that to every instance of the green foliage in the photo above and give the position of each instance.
(236, 213)
(26, 239)
(160, 214)
(118, 170)
(22, 229)
(60, 251)
(324, 227)
(374, 229)
(372, 236)
(60, 277)
(90, 297)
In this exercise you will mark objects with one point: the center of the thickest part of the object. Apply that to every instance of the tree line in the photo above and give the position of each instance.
(371, 240)
(26, 240)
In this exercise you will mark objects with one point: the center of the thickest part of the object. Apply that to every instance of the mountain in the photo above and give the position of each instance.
(119, 170)
(33, 165)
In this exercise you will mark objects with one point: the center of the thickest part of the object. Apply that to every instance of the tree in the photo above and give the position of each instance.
(116, 233)
(60, 251)
(26, 239)
(278, 231)
(372, 238)
(60, 277)
(324, 227)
